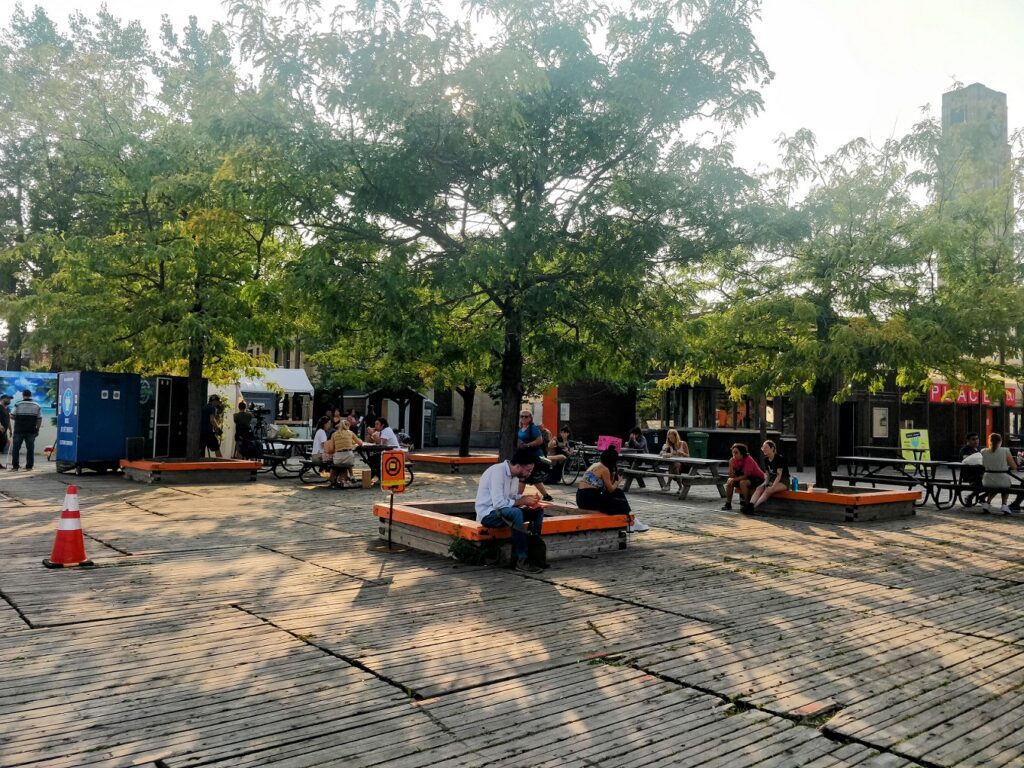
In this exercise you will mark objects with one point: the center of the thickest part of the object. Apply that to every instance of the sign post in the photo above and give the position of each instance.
(392, 479)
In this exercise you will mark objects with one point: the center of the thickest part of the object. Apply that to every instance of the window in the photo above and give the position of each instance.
(443, 398)
(957, 115)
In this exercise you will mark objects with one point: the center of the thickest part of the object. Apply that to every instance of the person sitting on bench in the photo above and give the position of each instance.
(972, 470)
(345, 442)
(744, 474)
(776, 476)
(599, 489)
(997, 461)
(499, 503)
(383, 435)
(319, 438)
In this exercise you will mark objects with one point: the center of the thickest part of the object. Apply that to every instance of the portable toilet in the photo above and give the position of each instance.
(96, 414)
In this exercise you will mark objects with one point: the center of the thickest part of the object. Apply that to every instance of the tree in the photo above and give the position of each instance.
(539, 181)
(161, 263)
(861, 281)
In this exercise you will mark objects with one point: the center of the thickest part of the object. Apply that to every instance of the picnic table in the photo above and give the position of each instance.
(284, 456)
(944, 490)
(889, 451)
(634, 465)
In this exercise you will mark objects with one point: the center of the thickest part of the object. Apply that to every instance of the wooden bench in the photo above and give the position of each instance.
(449, 527)
(310, 471)
(842, 505)
(190, 470)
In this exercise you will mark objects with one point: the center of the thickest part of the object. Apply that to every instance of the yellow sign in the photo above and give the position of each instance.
(392, 471)
(914, 444)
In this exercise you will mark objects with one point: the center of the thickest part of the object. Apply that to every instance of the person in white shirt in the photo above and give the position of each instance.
(499, 503)
(317, 454)
(382, 435)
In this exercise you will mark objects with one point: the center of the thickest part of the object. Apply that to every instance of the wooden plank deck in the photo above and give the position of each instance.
(263, 626)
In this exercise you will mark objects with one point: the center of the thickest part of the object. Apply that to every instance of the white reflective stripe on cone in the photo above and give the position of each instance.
(70, 524)
(71, 502)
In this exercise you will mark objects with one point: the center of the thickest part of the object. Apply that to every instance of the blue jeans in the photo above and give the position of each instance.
(513, 517)
(30, 450)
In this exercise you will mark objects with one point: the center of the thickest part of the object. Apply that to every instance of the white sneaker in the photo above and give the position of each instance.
(985, 509)
(638, 527)
(1007, 511)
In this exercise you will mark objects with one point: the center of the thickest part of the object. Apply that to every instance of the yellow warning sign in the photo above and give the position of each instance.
(392, 471)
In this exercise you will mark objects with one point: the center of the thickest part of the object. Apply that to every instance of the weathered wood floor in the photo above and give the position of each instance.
(260, 625)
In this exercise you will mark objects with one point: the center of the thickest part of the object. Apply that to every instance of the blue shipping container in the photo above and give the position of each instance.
(96, 413)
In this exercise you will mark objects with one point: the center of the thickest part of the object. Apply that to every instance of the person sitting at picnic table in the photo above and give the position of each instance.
(501, 503)
(599, 490)
(345, 442)
(531, 438)
(319, 438)
(674, 446)
(383, 435)
(558, 453)
(997, 462)
(972, 470)
(744, 474)
(776, 476)
(638, 443)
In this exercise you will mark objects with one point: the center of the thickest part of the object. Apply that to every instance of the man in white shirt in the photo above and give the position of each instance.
(385, 436)
(499, 503)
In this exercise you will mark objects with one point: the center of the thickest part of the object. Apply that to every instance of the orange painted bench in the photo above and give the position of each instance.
(453, 464)
(844, 504)
(190, 470)
(433, 527)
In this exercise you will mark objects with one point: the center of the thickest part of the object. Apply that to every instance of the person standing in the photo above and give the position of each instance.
(530, 438)
(209, 429)
(28, 417)
(5, 426)
(243, 429)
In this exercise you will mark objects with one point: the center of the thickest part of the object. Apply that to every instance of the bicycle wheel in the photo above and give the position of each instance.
(408, 475)
(571, 472)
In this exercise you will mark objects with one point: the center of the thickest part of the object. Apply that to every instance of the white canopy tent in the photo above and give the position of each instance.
(289, 381)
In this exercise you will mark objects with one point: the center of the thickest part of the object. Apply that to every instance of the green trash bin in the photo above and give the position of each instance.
(698, 442)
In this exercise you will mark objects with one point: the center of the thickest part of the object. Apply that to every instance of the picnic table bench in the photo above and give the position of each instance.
(912, 473)
(695, 471)
(284, 456)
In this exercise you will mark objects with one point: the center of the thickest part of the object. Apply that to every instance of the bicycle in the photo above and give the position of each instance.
(574, 464)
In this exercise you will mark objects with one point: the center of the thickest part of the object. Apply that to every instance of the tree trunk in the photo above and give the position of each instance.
(824, 435)
(196, 401)
(468, 395)
(511, 382)
(15, 340)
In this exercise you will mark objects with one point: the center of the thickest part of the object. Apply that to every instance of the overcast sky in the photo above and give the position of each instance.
(843, 68)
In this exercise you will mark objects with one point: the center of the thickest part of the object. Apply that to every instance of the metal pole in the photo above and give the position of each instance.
(391, 512)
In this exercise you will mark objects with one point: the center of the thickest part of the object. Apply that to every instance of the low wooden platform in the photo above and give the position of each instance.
(191, 470)
(437, 526)
(436, 462)
(843, 505)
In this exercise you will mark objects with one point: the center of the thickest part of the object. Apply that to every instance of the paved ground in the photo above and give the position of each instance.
(257, 625)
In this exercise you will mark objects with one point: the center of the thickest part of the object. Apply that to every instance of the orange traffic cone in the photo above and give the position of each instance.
(69, 546)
